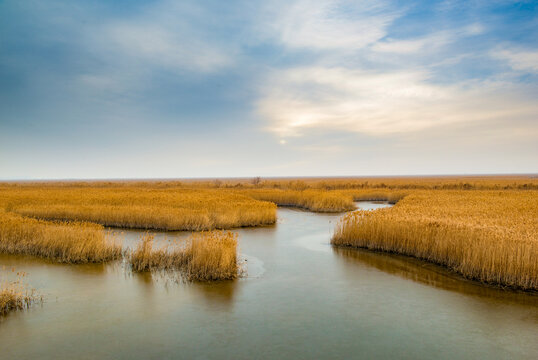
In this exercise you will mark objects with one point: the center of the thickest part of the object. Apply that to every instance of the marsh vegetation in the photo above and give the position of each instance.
(68, 242)
(139, 206)
(205, 256)
(490, 236)
(14, 292)
(482, 227)
(295, 284)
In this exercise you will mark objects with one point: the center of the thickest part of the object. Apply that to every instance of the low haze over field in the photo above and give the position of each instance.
(239, 88)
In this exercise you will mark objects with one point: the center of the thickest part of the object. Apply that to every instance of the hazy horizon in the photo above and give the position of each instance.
(291, 177)
(167, 90)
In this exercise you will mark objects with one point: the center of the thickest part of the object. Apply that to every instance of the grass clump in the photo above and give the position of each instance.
(391, 196)
(145, 257)
(490, 236)
(15, 295)
(206, 256)
(313, 200)
(212, 256)
(63, 242)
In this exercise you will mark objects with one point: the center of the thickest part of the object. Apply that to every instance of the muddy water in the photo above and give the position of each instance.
(302, 299)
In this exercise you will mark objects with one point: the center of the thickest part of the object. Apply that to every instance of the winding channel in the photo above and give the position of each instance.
(301, 299)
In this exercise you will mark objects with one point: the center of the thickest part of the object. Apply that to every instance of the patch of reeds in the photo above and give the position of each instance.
(455, 182)
(313, 200)
(490, 236)
(143, 208)
(15, 294)
(212, 256)
(391, 196)
(206, 256)
(73, 242)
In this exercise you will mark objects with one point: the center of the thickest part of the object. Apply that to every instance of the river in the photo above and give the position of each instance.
(299, 299)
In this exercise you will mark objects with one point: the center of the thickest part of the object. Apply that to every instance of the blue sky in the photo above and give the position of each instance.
(164, 89)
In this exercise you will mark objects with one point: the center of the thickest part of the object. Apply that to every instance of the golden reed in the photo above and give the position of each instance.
(72, 242)
(15, 294)
(490, 236)
(139, 207)
(206, 256)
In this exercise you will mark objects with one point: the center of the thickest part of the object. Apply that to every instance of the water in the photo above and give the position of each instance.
(301, 299)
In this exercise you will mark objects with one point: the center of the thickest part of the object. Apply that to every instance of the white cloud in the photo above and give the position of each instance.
(330, 24)
(429, 43)
(376, 84)
(521, 60)
(375, 103)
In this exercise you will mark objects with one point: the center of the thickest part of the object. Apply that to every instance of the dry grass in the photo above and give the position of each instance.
(63, 242)
(195, 205)
(139, 207)
(212, 256)
(433, 229)
(145, 257)
(455, 182)
(207, 256)
(313, 200)
(15, 295)
(490, 236)
(392, 196)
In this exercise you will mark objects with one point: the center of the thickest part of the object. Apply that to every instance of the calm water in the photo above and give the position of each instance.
(302, 299)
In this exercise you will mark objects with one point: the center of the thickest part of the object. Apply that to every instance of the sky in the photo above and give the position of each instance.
(179, 89)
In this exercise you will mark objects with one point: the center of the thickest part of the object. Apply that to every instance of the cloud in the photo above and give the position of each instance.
(330, 24)
(382, 103)
(428, 43)
(519, 59)
(343, 86)
(367, 78)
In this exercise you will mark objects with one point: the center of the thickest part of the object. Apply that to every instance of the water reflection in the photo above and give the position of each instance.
(32, 262)
(217, 296)
(144, 278)
(430, 274)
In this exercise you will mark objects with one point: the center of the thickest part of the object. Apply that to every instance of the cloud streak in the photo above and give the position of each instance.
(331, 24)
(301, 99)
(373, 81)
(519, 59)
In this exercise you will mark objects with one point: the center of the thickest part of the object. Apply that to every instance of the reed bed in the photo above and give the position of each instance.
(196, 205)
(313, 200)
(456, 182)
(391, 196)
(490, 236)
(139, 207)
(15, 294)
(73, 242)
(206, 256)
(145, 257)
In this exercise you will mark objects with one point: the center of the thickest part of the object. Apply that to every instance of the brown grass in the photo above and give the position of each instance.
(64, 242)
(313, 200)
(139, 207)
(392, 196)
(212, 256)
(492, 248)
(490, 236)
(15, 295)
(206, 256)
(195, 205)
